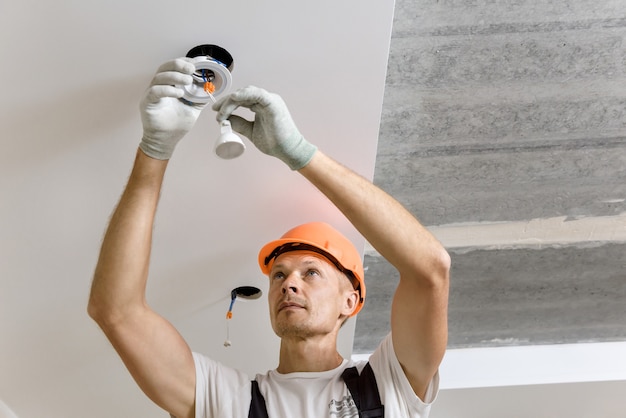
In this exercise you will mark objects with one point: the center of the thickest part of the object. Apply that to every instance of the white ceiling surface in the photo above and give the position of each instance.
(73, 73)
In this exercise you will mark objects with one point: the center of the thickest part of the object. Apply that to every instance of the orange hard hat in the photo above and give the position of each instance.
(323, 239)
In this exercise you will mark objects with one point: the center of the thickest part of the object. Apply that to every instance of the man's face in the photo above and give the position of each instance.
(307, 295)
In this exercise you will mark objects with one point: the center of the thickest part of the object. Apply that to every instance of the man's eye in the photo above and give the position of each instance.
(278, 276)
(312, 273)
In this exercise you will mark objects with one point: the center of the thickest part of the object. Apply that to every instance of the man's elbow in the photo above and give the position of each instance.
(438, 272)
(109, 320)
(444, 263)
(101, 311)
(95, 309)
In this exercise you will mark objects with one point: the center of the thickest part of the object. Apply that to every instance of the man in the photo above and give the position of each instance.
(314, 288)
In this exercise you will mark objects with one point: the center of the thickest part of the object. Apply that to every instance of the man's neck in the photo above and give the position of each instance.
(308, 355)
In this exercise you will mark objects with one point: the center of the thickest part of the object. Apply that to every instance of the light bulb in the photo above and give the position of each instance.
(228, 145)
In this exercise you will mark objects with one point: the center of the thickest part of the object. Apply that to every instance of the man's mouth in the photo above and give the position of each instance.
(287, 305)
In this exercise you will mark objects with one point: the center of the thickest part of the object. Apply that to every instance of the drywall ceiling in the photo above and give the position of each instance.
(74, 73)
(499, 124)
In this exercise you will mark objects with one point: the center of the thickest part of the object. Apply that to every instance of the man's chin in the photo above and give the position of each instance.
(290, 328)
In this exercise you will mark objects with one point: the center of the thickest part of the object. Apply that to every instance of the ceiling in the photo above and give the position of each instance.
(500, 124)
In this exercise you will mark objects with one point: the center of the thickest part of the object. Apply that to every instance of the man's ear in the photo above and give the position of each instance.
(350, 302)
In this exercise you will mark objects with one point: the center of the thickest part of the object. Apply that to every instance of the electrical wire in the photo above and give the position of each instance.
(209, 87)
(229, 316)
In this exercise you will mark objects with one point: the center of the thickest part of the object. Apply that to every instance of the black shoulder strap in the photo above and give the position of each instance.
(364, 391)
(257, 405)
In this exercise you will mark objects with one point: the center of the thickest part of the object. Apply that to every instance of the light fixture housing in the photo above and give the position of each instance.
(213, 64)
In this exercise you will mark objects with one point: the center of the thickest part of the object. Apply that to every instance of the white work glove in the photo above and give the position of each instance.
(165, 118)
(273, 131)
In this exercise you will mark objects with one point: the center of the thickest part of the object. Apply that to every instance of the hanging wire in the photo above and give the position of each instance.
(227, 343)
(229, 316)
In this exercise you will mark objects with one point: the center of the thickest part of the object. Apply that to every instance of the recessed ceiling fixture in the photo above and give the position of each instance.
(212, 77)
(242, 292)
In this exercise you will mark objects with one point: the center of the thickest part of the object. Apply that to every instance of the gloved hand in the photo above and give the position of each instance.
(165, 118)
(273, 131)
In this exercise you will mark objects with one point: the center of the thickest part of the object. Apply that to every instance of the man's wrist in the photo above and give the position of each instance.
(152, 150)
(302, 155)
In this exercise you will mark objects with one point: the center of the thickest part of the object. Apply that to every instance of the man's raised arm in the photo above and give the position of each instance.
(153, 351)
(419, 322)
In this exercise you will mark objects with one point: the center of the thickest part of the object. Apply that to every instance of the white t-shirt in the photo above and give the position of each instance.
(223, 392)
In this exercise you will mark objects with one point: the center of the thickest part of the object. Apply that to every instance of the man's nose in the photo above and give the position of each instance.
(291, 283)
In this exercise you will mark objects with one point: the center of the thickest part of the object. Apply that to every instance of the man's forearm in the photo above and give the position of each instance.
(122, 269)
(382, 220)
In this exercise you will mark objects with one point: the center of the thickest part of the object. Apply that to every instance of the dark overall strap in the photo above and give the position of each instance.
(364, 391)
(257, 405)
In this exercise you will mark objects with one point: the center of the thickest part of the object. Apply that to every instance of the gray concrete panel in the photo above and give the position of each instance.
(516, 297)
(509, 183)
(500, 111)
